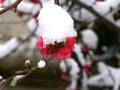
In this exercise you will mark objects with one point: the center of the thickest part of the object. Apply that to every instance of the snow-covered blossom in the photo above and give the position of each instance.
(56, 30)
(60, 50)
(41, 64)
(89, 38)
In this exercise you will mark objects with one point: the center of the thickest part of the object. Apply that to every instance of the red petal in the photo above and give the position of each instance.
(63, 53)
(1, 1)
(70, 42)
(39, 42)
(43, 51)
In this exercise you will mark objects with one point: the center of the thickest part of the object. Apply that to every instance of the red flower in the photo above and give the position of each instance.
(88, 69)
(1, 1)
(59, 52)
(70, 42)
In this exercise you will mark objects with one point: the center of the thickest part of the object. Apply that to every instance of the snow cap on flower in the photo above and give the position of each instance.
(56, 31)
(55, 24)
(89, 38)
(41, 64)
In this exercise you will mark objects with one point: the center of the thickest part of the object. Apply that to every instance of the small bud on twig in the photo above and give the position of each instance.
(28, 64)
(41, 64)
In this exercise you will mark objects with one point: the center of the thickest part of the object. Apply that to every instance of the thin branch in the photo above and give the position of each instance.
(10, 7)
(27, 71)
(100, 17)
(21, 72)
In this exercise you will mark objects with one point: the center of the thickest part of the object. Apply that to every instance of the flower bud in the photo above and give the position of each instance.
(41, 64)
(27, 64)
(15, 79)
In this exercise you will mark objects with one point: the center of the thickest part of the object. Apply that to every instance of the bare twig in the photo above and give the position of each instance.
(25, 72)
(10, 7)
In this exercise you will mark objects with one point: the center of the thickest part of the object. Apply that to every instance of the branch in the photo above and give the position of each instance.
(100, 17)
(30, 69)
(25, 72)
(17, 73)
(10, 6)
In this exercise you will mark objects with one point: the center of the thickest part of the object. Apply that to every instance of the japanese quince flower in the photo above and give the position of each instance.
(1, 1)
(57, 34)
(60, 52)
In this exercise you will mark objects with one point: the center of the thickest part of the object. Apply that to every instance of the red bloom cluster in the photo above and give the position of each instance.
(1, 1)
(59, 51)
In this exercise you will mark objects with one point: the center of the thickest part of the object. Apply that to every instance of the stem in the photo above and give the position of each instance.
(18, 73)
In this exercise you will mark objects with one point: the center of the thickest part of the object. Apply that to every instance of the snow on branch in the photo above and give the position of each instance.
(8, 47)
(100, 17)
(10, 6)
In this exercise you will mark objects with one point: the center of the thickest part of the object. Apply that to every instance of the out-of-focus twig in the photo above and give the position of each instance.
(25, 72)
(100, 17)
(10, 7)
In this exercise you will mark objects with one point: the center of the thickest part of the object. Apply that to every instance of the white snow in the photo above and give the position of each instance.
(90, 38)
(32, 24)
(86, 15)
(55, 24)
(108, 76)
(77, 50)
(41, 64)
(74, 72)
(88, 2)
(24, 6)
(105, 6)
(8, 47)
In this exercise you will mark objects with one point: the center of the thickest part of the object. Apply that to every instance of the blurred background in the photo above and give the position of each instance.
(18, 43)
